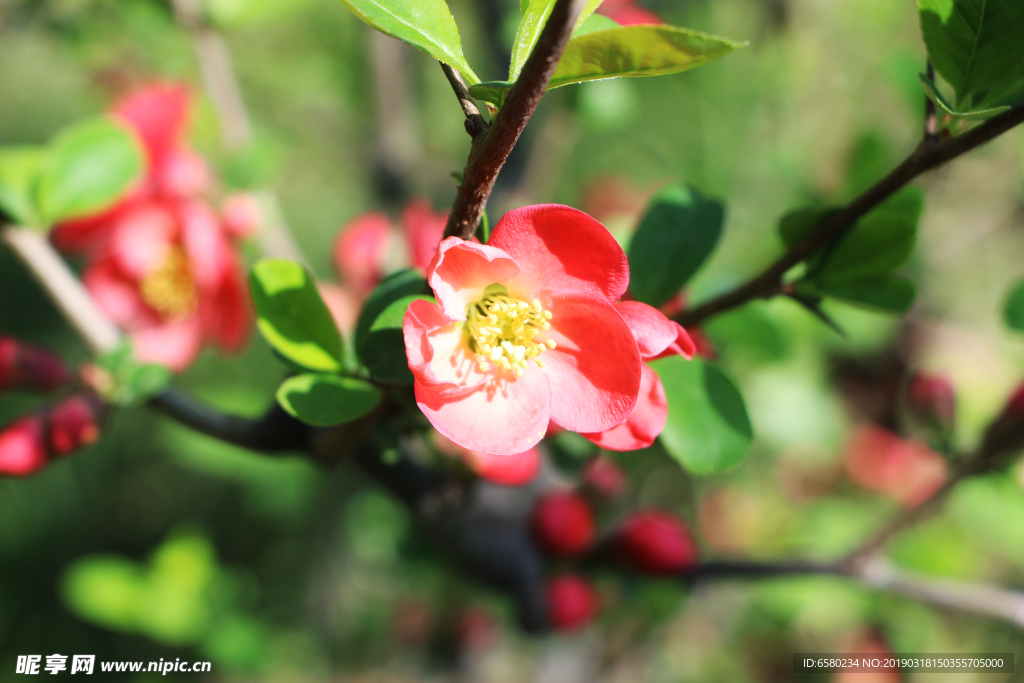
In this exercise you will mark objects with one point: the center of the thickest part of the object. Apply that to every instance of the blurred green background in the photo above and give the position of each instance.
(159, 543)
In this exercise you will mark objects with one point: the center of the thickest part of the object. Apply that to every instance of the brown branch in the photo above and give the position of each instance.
(475, 123)
(491, 149)
(926, 157)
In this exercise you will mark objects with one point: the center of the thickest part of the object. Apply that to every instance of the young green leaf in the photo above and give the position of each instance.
(20, 168)
(880, 243)
(292, 317)
(977, 47)
(491, 91)
(884, 293)
(1013, 309)
(395, 286)
(326, 400)
(708, 429)
(535, 15)
(425, 24)
(932, 91)
(384, 350)
(630, 51)
(89, 166)
(676, 236)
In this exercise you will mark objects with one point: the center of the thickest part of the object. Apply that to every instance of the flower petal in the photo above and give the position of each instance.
(438, 355)
(646, 421)
(656, 335)
(560, 249)
(209, 251)
(424, 229)
(359, 251)
(227, 317)
(157, 113)
(507, 470)
(141, 238)
(501, 417)
(174, 344)
(116, 295)
(595, 368)
(182, 173)
(462, 270)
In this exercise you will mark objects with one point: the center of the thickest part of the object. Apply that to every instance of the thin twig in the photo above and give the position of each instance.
(924, 158)
(64, 288)
(218, 74)
(490, 150)
(475, 123)
(931, 118)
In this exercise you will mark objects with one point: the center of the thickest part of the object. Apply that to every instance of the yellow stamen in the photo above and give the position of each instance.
(168, 288)
(503, 328)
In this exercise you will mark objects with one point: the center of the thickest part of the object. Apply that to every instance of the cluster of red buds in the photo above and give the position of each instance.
(649, 542)
(28, 443)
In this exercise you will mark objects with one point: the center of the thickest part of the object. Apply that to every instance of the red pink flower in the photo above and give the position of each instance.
(562, 523)
(656, 337)
(628, 13)
(906, 471)
(162, 263)
(656, 543)
(524, 333)
(572, 603)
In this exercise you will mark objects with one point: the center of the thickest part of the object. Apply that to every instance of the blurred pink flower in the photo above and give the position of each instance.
(161, 263)
(908, 472)
(628, 13)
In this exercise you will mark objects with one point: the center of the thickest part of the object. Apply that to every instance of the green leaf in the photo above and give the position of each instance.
(708, 429)
(796, 225)
(326, 400)
(393, 287)
(932, 91)
(491, 91)
(1013, 309)
(20, 168)
(134, 382)
(535, 15)
(629, 51)
(887, 293)
(977, 46)
(424, 24)
(292, 317)
(384, 352)
(89, 166)
(594, 23)
(676, 236)
(881, 242)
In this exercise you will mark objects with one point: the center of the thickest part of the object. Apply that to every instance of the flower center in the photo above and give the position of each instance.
(502, 329)
(168, 288)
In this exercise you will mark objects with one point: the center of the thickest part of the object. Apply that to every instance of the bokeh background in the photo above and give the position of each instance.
(160, 543)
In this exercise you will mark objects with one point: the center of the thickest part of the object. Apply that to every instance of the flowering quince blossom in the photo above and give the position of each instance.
(628, 13)
(656, 337)
(505, 470)
(161, 263)
(524, 333)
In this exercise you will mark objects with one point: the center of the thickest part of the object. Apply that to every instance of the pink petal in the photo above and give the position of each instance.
(174, 345)
(242, 214)
(22, 450)
(656, 335)
(181, 174)
(359, 252)
(141, 238)
(646, 421)
(501, 417)
(209, 252)
(157, 113)
(438, 355)
(462, 270)
(342, 304)
(595, 368)
(116, 295)
(81, 234)
(507, 470)
(560, 249)
(628, 15)
(424, 229)
(227, 314)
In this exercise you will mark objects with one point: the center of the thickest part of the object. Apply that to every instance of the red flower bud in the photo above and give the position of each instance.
(604, 477)
(23, 366)
(655, 542)
(22, 447)
(73, 424)
(932, 400)
(562, 523)
(572, 603)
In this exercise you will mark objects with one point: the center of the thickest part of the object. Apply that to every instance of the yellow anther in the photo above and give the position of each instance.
(503, 330)
(168, 288)
(551, 344)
